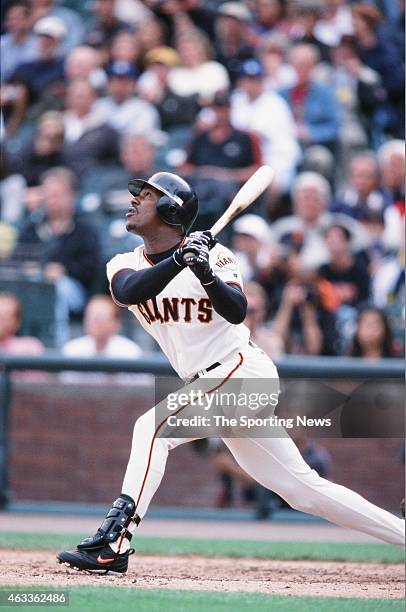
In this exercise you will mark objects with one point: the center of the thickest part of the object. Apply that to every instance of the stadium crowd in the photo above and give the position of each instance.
(95, 93)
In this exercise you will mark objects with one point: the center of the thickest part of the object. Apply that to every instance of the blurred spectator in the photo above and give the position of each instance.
(315, 109)
(311, 195)
(174, 111)
(89, 140)
(373, 335)
(267, 114)
(12, 188)
(391, 159)
(101, 326)
(125, 48)
(121, 109)
(335, 22)
(223, 152)
(361, 193)
(65, 246)
(304, 318)
(152, 34)
(381, 54)
(198, 73)
(44, 151)
(232, 37)
(360, 93)
(10, 323)
(347, 272)
(47, 70)
(269, 15)
(18, 44)
(262, 333)
(137, 154)
(104, 25)
(84, 63)
(307, 15)
(278, 73)
(72, 22)
(251, 243)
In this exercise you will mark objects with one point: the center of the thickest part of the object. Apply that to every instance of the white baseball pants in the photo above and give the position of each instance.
(275, 463)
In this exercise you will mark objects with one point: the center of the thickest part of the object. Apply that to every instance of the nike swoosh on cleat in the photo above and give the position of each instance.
(101, 560)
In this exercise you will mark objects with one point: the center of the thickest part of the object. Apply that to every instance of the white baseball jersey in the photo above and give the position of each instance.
(181, 318)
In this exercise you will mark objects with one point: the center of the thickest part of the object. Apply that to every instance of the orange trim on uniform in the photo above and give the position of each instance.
(151, 263)
(229, 375)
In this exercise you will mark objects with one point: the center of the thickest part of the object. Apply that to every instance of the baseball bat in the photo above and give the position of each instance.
(249, 192)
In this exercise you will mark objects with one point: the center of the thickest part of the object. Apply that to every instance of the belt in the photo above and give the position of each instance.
(202, 372)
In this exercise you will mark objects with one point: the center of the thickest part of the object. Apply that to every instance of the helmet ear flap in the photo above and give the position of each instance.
(167, 209)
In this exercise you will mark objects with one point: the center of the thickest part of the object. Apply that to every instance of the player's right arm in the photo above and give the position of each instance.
(129, 286)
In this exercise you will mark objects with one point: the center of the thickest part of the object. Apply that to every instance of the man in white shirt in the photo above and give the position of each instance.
(102, 324)
(122, 109)
(268, 115)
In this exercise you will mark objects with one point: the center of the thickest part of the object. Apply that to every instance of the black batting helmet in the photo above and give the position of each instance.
(178, 204)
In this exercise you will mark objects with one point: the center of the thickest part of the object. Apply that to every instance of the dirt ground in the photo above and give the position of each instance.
(311, 578)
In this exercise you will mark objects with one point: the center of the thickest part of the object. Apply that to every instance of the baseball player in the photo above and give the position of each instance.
(196, 315)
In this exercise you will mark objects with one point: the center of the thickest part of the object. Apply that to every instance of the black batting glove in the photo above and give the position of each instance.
(204, 237)
(198, 248)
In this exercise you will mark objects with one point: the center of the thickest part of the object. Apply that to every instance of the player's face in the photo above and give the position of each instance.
(142, 214)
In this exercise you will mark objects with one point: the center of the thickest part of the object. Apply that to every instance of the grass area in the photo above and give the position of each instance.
(105, 599)
(322, 551)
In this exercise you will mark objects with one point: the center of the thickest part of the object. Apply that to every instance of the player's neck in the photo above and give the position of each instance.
(158, 244)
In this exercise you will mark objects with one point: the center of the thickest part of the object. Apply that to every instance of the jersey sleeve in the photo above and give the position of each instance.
(225, 266)
(122, 261)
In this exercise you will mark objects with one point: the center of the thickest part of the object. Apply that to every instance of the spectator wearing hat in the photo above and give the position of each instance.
(74, 29)
(223, 152)
(47, 70)
(232, 43)
(382, 55)
(89, 140)
(266, 114)
(175, 111)
(314, 106)
(17, 44)
(104, 25)
(198, 74)
(253, 246)
(122, 109)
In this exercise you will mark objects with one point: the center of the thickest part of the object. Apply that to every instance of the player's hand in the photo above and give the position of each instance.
(205, 237)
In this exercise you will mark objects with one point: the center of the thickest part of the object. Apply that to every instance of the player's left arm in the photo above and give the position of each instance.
(227, 298)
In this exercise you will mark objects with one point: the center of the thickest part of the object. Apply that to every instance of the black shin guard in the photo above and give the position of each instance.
(118, 518)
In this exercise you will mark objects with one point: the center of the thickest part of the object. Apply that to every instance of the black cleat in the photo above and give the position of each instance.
(101, 560)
